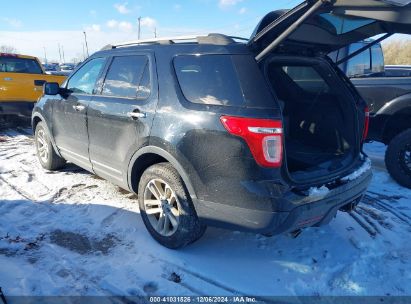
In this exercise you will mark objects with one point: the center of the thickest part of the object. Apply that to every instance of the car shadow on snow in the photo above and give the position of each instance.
(72, 169)
(27, 226)
(90, 228)
(12, 122)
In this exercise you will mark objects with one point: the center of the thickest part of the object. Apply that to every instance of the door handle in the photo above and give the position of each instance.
(79, 108)
(137, 115)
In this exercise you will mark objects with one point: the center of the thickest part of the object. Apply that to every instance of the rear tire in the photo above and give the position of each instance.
(48, 158)
(166, 208)
(398, 158)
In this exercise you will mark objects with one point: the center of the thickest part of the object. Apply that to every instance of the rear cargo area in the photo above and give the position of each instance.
(319, 118)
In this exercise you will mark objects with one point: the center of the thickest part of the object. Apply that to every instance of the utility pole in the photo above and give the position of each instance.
(84, 52)
(155, 32)
(60, 52)
(45, 54)
(139, 28)
(85, 39)
(64, 58)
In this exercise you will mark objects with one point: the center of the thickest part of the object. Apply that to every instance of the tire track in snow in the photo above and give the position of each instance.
(369, 200)
(196, 275)
(371, 216)
(17, 190)
(363, 223)
(365, 214)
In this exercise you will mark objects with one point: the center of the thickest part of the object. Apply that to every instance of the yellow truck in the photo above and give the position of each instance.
(21, 83)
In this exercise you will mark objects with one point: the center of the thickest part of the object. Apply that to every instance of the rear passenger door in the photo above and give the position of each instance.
(121, 114)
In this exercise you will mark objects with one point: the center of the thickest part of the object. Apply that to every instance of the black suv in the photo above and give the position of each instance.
(263, 136)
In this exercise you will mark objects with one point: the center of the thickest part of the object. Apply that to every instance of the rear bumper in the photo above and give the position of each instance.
(302, 210)
(16, 108)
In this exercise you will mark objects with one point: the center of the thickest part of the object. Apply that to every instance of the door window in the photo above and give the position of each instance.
(84, 80)
(128, 77)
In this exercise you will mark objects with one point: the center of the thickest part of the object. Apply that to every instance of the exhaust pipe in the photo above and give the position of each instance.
(351, 206)
(296, 233)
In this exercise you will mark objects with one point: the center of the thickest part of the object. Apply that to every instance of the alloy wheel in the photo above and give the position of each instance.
(161, 207)
(42, 146)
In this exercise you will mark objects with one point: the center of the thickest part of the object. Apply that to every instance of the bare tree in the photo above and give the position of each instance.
(7, 49)
(397, 52)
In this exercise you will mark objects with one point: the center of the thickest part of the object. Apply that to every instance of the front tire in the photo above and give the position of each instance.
(46, 155)
(166, 207)
(398, 158)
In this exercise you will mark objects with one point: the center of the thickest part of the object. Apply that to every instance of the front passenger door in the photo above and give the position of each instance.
(69, 113)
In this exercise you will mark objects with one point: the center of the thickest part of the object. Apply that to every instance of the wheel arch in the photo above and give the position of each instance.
(35, 120)
(396, 124)
(148, 156)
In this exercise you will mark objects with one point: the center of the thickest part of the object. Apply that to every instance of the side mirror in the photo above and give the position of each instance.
(51, 88)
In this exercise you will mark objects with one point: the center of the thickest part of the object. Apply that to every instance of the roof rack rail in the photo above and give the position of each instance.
(218, 39)
(155, 40)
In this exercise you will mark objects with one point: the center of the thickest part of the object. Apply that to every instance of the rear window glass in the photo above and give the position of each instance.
(307, 78)
(19, 65)
(338, 25)
(304, 83)
(223, 80)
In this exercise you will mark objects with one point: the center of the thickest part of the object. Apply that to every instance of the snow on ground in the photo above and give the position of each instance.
(71, 233)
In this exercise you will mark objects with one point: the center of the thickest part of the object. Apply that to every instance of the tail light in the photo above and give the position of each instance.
(263, 136)
(366, 124)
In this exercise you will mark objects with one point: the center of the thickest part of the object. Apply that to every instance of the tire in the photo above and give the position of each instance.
(166, 208)
(46, 155)
(398, 158)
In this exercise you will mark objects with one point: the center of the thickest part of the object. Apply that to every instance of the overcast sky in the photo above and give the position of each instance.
(39, 27)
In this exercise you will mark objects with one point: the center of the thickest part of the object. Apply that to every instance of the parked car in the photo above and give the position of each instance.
(21, 83)
(387, 91)
(51, 68)
(67, 68)
(264, 136)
